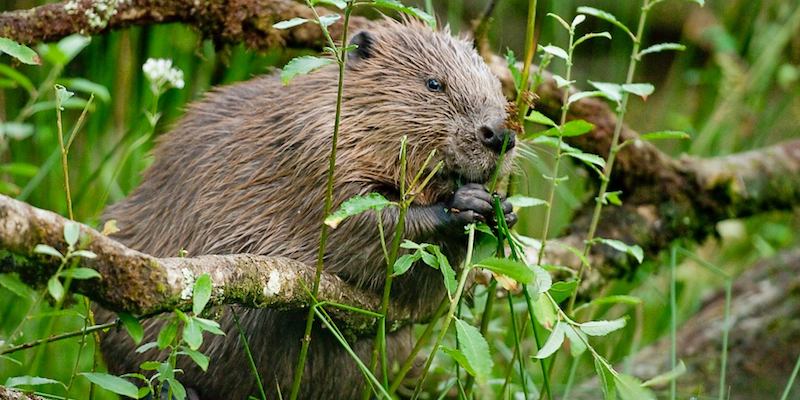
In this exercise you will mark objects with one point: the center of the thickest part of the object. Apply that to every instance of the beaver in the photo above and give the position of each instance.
(245, 169)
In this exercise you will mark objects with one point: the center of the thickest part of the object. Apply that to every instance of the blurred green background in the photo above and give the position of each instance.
(735, 88)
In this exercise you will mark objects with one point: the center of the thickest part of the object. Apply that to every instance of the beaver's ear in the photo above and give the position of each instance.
(364, 42)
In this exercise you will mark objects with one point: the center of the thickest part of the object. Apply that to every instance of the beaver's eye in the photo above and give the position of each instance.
(434, 85)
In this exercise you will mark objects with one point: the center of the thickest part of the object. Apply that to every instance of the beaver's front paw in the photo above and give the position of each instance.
(473, 203)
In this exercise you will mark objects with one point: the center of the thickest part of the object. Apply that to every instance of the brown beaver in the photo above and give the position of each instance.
(245, 172)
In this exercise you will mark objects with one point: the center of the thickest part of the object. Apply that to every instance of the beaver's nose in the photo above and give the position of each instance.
(493, 138)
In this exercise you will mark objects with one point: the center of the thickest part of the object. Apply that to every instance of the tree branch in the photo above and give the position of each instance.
(144, 285)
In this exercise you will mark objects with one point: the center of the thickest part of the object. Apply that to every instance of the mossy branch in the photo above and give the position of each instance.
(140, 284)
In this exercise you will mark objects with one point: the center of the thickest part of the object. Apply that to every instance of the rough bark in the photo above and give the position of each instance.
(144, 285)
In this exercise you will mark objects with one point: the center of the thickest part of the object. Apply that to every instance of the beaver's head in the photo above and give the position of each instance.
(406, 79)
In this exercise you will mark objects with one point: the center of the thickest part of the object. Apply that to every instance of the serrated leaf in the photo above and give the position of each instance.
(560, 20)
(666, 377)
(662, 135)
(412, 11)
(199, 358)
(540, 119)
(563, 289)
(553, 343)
(132, 326)
(656, 48)
(16, 130)
(475, 350)
(633, 250)
(71, 232)
(611, 91)
(459, 357)
(604, 15)
(357, 205)
(328, 20)
(630, 388)
(607, 380)
(448, 273)
(19, 51)
(192, 334)
(113, 383)
(525, 201)
(642, 90)
(17, 381)
(556, 51)
(289, 23)
(577, 340)
(591, 35)
(588, 158)
(403, 263)
(55, 288)
(515, 270)
(201, 293)
(576, 128)
(301, 66)
(80, 273)
(167, 334)
(602, 327)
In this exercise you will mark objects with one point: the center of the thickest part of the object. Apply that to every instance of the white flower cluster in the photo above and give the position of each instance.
(162, 75)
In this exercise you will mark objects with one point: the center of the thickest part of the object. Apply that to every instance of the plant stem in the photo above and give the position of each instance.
(56, 338)
(341, 53)
(530, 50)
(249, 355)
(612, 153)
(450, 313)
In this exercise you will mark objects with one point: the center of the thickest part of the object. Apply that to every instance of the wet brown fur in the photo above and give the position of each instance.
(245, 170)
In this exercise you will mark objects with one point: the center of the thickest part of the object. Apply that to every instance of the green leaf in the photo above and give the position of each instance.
(561, 81)
(515, 270)
(576, 128)
(577, 21)
(192, 334)
(13, 284)
(475, 350)
(642, 90)
(556, 51)
(553, 342)
(612, 91)
(630, 388)
(80, 273)
(132, 326)
(701, 2)
(656, 48)
(149, 365)
(55, 288)
(511, 63)
(113, 383)
(201, 293)
(582, 95)
(289, 23)
(84, 254)
(340, 4)
(525, 201)
(177, 389)
(407, 244)
(87, 86)
(167, 334)
(18, 77)
(357, 205)
(16, 381)
(301, 66)
(607, 17)
(666, 377)
(560, 20)
(459, 357)
(661, 135)
(606, 378)
(603, 327)
(614, 299)
(448, 273)
(544, 311)
(589, 158)
(577, 340)
(327, 20)
(591, 36)
(563, 289)
(612, 197)
(542, 280)
(540, 119)
(19, 51)
(403, 263)
(412, 11)
(70, 104)
(147, 346)
(208, 325)
(62, 95)
(48, 250)
(633, 250)
(70, 46)
(199, 358)
(20, 169)
(16, 130)
(71, 232)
